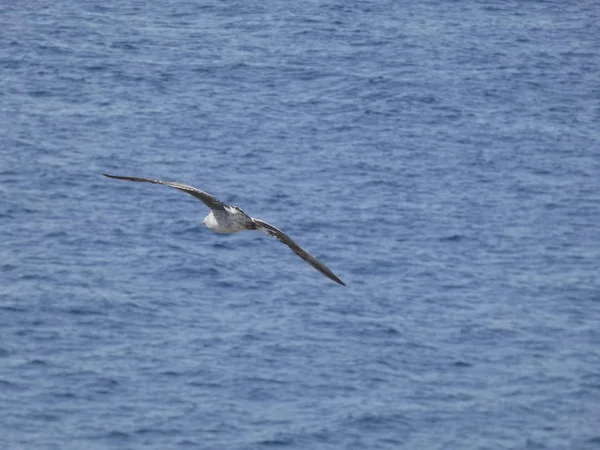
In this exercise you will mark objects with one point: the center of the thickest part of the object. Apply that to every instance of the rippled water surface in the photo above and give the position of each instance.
(443, 158)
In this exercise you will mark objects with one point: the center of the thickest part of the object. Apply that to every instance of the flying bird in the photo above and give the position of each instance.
(224, 218)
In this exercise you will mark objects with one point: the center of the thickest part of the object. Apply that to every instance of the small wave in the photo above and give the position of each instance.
(116, 435)
(76, 311)
(276, 442)
(462, 364)
(55, 234)
(12, 308)
(34, 363)
(452, 238)
(9, 385)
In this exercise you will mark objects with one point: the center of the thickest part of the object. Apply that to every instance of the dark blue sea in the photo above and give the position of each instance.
(442, 158)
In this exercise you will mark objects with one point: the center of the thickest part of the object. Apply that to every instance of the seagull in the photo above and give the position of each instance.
(224, 218)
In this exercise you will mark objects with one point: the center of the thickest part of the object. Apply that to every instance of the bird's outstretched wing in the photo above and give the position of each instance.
(207, 199)
(265, 227)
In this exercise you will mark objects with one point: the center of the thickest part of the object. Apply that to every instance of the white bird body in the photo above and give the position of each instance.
(223, 223)
(229, 219)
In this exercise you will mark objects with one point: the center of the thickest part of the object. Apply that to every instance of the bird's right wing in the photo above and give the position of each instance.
(265, 227)
(204, 197)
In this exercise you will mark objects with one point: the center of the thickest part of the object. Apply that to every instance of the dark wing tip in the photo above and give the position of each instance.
(334, 278)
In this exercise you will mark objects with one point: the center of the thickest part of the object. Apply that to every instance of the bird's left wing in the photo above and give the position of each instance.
(265, 227)
(204, 197)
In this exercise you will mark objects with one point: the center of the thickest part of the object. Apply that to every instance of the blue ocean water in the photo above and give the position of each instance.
(443, 158)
